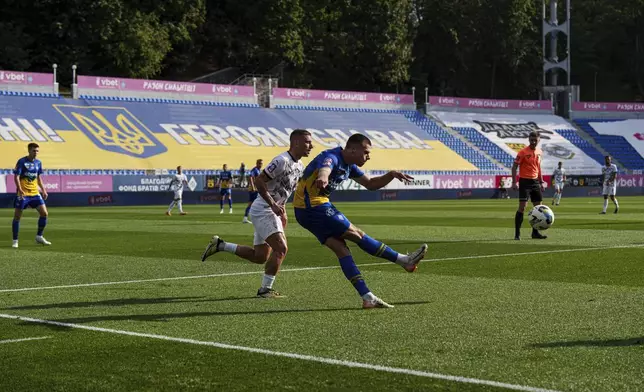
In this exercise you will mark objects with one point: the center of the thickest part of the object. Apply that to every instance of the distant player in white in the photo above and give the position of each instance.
(559, 176)
(275, 185)
(176, 185)
(609, 173)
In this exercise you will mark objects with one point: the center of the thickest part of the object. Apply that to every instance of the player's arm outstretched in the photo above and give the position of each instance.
(375, 183)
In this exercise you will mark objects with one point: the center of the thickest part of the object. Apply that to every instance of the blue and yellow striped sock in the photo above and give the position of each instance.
(352, 273)
(377, 248)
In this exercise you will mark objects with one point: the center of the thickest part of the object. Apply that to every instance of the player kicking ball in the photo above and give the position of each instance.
(609, 173)
(27, 178)
(274, 185)
(559, 176)
(315, 213)
(530, 183)
(176, 185)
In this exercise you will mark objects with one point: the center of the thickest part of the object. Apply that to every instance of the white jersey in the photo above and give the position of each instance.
(607, 172)
(559, 174)
(177, 182)
(285, 172)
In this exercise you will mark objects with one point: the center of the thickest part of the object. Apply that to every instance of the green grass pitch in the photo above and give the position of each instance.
(562, 314)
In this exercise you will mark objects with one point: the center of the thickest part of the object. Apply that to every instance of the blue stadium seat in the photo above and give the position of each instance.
(616, 146)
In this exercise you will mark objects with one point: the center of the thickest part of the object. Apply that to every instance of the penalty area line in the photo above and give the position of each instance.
(24, 339)
(303, 357)
(69, 286)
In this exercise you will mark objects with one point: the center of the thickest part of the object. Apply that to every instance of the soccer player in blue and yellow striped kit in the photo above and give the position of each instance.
(27, 178)
(315, 213)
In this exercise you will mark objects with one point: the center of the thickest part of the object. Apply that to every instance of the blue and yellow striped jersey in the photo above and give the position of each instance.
(307, 195)
(28, 172)
(226, 179)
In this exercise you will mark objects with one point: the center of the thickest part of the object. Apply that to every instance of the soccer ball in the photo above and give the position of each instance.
(541, 217)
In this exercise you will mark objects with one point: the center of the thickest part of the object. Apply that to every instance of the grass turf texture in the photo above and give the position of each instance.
(570, 319)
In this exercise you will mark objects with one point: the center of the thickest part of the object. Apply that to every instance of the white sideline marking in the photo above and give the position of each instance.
(23, 340)
(311, 358)
(311, 268)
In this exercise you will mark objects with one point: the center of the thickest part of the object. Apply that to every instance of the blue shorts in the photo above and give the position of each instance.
(324, 221)
(28, 201)
(252, 196)
(226, 191)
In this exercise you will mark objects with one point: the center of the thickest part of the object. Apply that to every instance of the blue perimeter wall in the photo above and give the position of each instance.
(241, 196)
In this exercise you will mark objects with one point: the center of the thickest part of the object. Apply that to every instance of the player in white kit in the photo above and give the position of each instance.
(176, 185)
(609, 172)
(559, 176)
(275, 185)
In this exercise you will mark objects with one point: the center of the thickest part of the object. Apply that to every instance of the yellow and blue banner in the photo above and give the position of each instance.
(87, 134)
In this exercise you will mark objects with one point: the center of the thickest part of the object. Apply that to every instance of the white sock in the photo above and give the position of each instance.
(228, 247)
(616, 203)
(369, 296)
(605, 205)
(180, 203)
(402, 259)
(267, 281)
(171, 206)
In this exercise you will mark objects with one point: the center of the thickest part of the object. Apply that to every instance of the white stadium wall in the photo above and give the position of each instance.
(510, 133)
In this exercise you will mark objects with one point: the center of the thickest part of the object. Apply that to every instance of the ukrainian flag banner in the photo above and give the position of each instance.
(85, 134)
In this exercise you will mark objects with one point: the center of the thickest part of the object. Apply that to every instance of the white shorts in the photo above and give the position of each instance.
(178, 194)
(559, 186)
(609, 190)
(266, 223)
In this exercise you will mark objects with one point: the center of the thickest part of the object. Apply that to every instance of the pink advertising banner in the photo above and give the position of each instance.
(476, 103)
(163, 86)
(86, 183)
(608, 107)
(342, 96)
(26, 78)
(72, 184)
(464, 182)
(52, 184)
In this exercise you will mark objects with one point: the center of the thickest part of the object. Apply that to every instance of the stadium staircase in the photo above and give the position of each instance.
(453, 141)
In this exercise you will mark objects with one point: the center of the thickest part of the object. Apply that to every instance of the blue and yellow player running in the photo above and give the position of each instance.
(314, 212)
(225, 188)
(27, 178)
(252, 189)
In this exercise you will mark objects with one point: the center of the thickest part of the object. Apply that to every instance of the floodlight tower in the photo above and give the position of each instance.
(562, 95)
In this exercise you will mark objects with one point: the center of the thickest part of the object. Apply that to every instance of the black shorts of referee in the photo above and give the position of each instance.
(530, 189)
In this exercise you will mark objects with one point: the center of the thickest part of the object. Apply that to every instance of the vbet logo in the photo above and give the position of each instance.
(8, 76)
(296, 93)
(107, 82)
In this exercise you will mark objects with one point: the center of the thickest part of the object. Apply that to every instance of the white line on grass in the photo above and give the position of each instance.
(68, 286)
(23, 340)
(311, 358)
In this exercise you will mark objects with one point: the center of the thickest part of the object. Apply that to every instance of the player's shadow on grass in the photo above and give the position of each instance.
(169, 316)
(593, 343)
(124, 302)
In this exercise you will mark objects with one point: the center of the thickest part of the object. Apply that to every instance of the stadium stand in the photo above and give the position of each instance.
(617, 127)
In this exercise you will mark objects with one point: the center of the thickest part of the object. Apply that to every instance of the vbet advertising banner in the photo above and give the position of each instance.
(163, 86)
(510, 133)
(631, 130)
(67, 184)
(84, 134)
(343, 96)
(433, 181)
